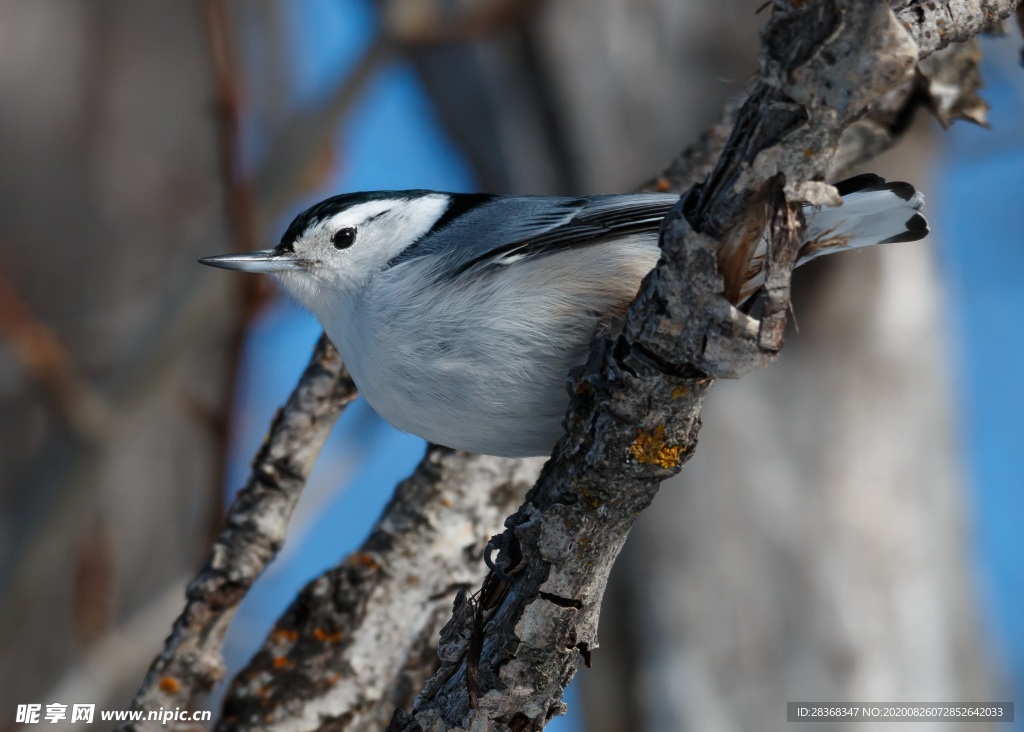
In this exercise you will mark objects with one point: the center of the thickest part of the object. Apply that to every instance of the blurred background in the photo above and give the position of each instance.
(870, 551)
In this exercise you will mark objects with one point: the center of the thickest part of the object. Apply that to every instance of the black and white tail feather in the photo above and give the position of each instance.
(873, 212)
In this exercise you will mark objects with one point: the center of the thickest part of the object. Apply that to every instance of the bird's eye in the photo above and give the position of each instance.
(344, 238)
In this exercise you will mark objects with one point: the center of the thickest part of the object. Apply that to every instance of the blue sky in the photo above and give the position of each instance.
(976, 203)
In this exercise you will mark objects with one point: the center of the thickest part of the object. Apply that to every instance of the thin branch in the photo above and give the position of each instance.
(634, 417)
(358, 640)
(191, 662)
(252, 292)
(427, 22)
(308, 135)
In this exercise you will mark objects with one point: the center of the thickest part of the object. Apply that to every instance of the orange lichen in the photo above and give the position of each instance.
(324, 637)
(650, 448)
(282, 662)
(282, 635)
(365, 559)
(680, 391)
(170, 685)
(592, 502)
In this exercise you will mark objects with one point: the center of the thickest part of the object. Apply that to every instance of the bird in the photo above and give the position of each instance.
(461, 315)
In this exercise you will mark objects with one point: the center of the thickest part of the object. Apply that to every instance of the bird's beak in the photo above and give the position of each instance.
(265, 260)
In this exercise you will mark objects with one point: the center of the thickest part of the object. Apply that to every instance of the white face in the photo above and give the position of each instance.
(341, 253)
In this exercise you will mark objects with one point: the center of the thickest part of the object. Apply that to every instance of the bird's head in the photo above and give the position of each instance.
(339, 244)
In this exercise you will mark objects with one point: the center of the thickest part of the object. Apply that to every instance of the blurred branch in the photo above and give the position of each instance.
(56, 494)
(48, 363)
(635, 413)
(60, 479)
(308, 135)
(241, 217)
(284, 172)
(430, 22)
(319, 666)
(113, 661)
(227, 88)
(62, 472)
(254, 531)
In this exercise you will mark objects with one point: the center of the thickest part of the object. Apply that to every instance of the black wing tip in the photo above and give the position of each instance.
(860, 182)
(869, 182)
(917, 229)
(901, 189)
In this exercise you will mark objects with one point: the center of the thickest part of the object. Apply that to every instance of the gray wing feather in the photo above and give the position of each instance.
(507, 229)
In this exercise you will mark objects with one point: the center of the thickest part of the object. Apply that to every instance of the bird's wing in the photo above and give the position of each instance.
(503, 230)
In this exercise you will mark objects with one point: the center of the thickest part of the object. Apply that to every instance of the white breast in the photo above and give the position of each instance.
(481, 365)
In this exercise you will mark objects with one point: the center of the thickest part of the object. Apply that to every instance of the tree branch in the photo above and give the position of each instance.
(634, 418)
(359, 640)
(190, 662)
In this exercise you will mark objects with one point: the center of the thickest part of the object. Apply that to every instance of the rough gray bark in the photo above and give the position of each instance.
(634, 420)
(191, 662)
(741, 528)
(823, 558)
(358, 641)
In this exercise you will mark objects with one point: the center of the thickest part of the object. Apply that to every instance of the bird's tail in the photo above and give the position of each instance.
(873, 212)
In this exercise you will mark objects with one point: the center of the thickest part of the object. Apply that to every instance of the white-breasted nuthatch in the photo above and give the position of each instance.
(460, 316)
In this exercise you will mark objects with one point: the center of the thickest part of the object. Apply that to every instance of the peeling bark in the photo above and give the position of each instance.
(952, 78)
